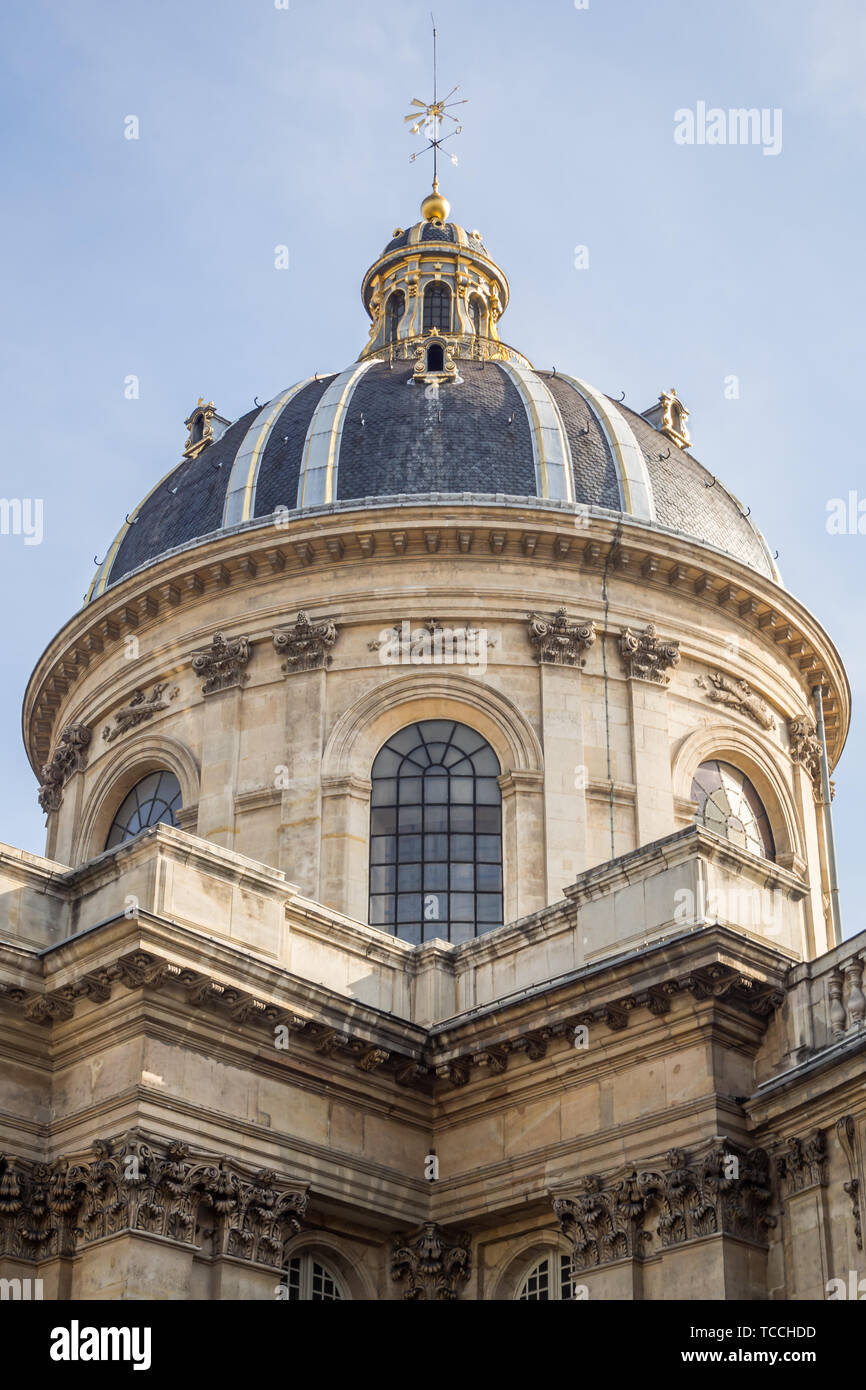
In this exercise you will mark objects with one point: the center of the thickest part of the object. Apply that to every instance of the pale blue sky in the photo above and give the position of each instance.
(262, 126)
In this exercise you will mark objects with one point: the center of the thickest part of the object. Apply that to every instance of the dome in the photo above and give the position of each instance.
(437, 407)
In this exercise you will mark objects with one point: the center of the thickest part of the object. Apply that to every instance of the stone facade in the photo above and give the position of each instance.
(216, 1071)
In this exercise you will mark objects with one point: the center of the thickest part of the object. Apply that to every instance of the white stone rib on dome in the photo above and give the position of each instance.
(550, 448)
(317, 481)
(634, 480)
(240, 497)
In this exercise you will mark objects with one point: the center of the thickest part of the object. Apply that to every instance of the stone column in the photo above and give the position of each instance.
(651, 752)
(648, 659)
(818, 939)
(565, 776)
(63, 824)
(220, 750)
(134, 1266)
(523, 833)
(345, 872)
(300, 846)
(802, 1171)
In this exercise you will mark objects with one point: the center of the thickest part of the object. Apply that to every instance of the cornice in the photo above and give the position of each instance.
(153, 955)
(398, 532)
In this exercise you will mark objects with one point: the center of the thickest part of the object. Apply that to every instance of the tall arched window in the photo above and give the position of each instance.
(156, 798)
(437, 306)
(436, 834)
(307, 1280)
(393, 314)
(729, 805)
(549, 1279)
(197, 432)
(476, 309)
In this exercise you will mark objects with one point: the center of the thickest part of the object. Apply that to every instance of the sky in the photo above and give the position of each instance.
(264, 124)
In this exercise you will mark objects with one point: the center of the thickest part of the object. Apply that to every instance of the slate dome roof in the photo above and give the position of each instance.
(498, 431)
(386, 429)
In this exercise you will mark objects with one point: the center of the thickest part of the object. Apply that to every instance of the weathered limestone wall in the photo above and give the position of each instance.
(595, 761)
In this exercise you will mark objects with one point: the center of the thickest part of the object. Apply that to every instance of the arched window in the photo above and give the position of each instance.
(729, 805)
(307, 1280)
(476, 309)
(437, 306)
(197, 431)
(393, 314)
(154, 799)
(436, 834)
(550, 1279)
(435, 358)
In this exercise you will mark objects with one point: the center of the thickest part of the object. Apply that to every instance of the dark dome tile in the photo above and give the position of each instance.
(280, 467)
(168, 519)
(458, 441)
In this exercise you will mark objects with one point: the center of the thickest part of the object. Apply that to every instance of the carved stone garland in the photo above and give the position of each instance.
(305, 645)
(646, 657)
(606, 1218)
(70, 756)
(137, 1184)
(558, 641)
(737, 695)
(433, 1263)
(223, 663)
(139, 709)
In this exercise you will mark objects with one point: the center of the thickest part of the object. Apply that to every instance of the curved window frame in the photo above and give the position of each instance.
(395, 308)
(437, 307)
(477, 313)
(435, 855)
(740, 794)
(550, 1279)
(436, 357)
(307, 1278)
(153, 800)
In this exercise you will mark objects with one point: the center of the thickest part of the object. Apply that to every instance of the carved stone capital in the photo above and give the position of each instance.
(558, 641)
(70, 756)
(805, 745)
(223, 663)
(646, 656)
(433, 1263)
(158, 1186)
(802, 1163)
(305, 645)
(724, 1191)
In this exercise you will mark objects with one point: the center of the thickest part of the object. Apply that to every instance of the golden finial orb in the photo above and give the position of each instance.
(434, 207)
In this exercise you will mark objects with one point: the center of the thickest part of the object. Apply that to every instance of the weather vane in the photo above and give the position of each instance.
(429, 118)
